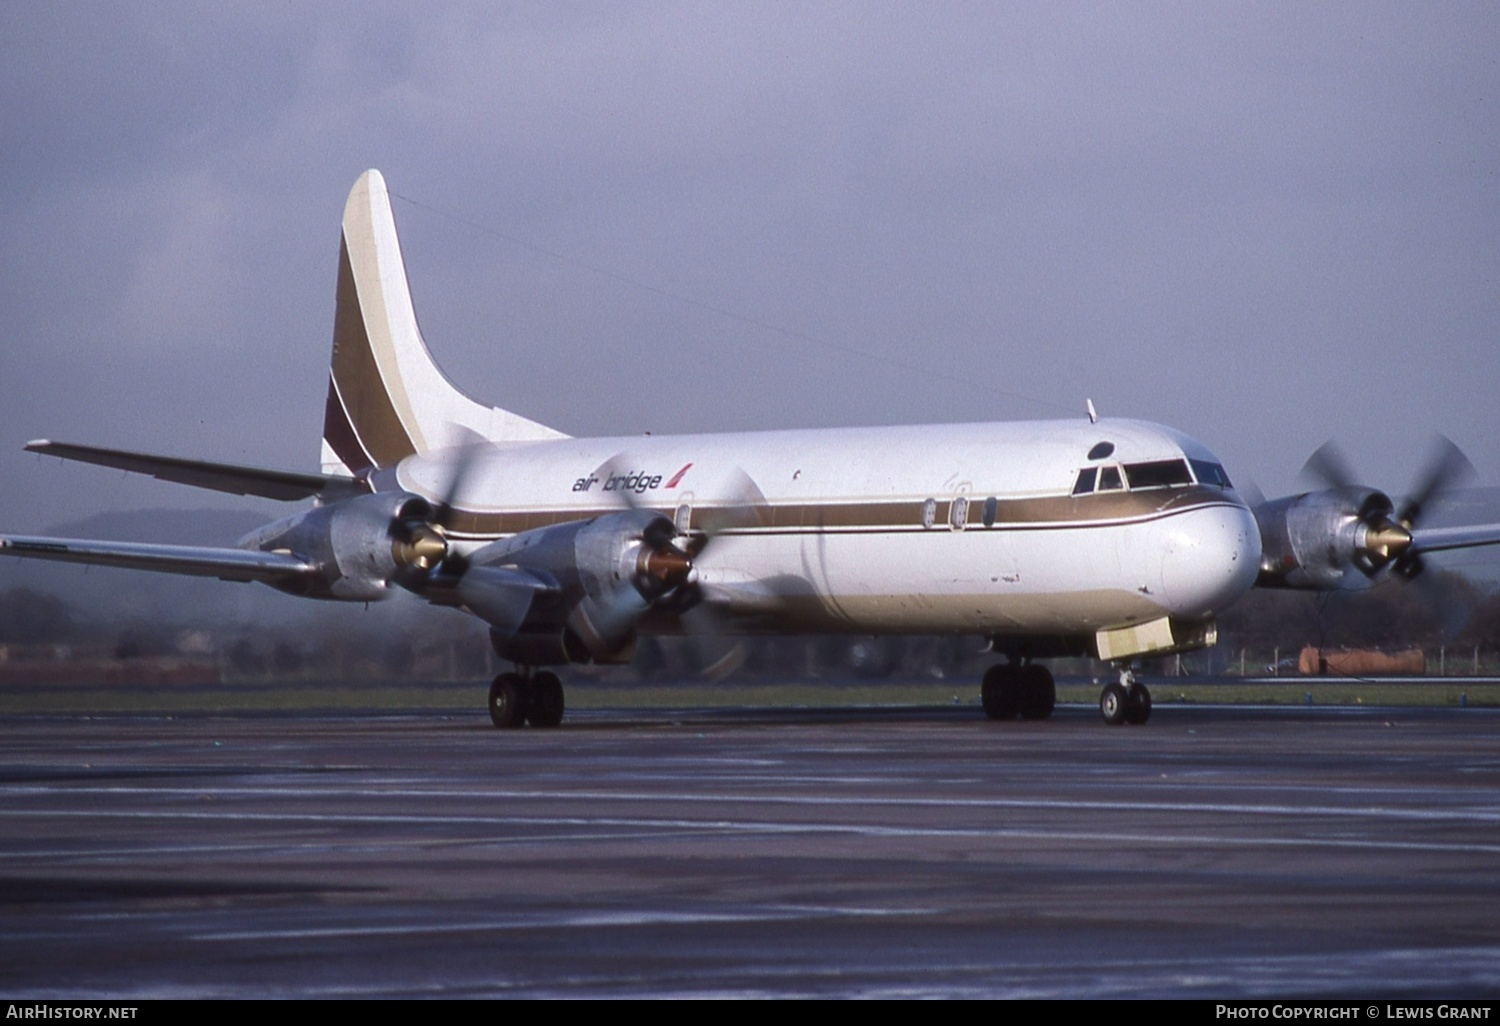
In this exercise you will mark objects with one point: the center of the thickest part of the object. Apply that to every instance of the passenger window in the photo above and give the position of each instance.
(929, 513)
(1085, 483)
(958, 513)
(991, 507)
(1109, 479)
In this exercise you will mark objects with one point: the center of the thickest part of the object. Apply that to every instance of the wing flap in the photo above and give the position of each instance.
(224, 563)
(283, 485)
(501, 596)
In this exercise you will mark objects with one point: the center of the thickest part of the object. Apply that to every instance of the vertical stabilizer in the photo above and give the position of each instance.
(386, 398)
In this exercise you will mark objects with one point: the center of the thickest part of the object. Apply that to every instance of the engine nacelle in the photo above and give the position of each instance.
(607, 573)
(1311, 541)
(359, 545)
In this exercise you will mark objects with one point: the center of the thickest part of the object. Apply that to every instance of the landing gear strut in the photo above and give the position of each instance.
(518, 698)
(1127, 701)
(1010, 690)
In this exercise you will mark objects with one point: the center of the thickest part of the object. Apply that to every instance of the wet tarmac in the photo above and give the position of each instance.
(1214, 853)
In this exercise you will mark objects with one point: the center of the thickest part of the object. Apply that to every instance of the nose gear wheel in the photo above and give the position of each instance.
(1125, 701)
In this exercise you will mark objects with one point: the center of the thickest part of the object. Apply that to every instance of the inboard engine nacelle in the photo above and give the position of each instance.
(1312, 541)
(605, 574)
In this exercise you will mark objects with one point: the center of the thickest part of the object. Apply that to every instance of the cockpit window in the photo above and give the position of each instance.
(1158, 474)
(1085, 483)
(1210, 473)
(1109, 479)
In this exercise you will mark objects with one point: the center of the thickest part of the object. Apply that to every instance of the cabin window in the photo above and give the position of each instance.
(929, 513)
(1158, 474)
(958, 513)
(991, 507)
(1210, 473)
(1085, 483)
(1109, 479)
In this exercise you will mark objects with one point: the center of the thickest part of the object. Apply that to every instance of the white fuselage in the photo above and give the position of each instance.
(972, 528)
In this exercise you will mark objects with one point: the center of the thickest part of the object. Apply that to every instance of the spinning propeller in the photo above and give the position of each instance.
(419, 536)
(667, 579)
(1384, 536)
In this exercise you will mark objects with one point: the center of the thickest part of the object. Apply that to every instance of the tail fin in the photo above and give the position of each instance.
(386, 398)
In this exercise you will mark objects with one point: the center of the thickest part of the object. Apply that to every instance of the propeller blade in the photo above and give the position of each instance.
(1447, 468)
(467, 447)
(718, 653)
(746, 507)
(1449, 600)
(1328, 467)
(1250, 491)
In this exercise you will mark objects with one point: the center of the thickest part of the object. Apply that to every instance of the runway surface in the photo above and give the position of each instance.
(1216, 852)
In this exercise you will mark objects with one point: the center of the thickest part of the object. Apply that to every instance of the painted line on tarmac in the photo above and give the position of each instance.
(750, 827)
(1481, 814)
(585, 920)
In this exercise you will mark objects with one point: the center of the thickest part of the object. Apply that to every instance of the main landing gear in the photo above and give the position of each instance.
(1127, 701)
(534, 698)
(1010, 690)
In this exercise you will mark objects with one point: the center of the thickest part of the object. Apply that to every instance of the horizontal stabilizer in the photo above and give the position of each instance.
(283, 485)
(226, 564)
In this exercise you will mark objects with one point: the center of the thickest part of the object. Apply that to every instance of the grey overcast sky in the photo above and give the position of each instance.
(1264, 224)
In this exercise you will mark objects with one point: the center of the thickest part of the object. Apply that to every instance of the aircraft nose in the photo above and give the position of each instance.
(1210, 557)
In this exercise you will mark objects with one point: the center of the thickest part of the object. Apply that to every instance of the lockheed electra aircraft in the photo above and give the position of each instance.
(1115, 539)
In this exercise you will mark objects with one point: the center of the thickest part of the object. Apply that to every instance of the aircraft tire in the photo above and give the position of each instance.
(546, 706)
(1114, 703)
(1038, 693)
(508, 701)
(1000, 693)
(1139, 709)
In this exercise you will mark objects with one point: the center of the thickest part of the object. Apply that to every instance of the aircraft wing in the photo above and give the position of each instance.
(226, 563)
(222, 477)
(1439, 539)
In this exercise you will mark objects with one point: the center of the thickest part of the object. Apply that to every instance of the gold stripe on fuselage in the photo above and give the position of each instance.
(1106, 509)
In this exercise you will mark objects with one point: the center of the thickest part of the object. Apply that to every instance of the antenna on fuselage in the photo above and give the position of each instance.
(1093, 414)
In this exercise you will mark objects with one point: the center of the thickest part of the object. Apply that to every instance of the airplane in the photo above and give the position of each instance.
(1101, 537)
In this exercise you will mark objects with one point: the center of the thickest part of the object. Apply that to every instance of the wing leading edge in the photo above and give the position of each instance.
(224, 563)
(1445, 539)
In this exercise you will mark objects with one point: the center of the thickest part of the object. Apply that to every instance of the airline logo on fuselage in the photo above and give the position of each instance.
(637, 481)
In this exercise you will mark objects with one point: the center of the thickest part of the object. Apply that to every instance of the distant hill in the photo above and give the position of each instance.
(104, 593)
(164, 526)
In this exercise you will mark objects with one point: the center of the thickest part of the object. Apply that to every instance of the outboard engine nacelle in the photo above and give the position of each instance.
(361, 545)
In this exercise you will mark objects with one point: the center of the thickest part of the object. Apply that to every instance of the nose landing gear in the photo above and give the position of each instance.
(1125, 701)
